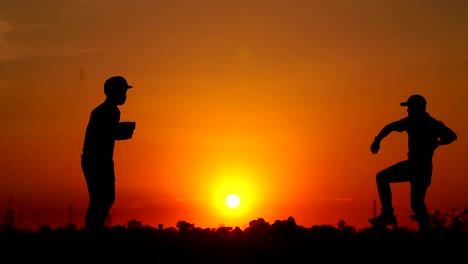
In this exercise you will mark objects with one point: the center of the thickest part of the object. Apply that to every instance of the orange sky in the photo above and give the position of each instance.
(277, 101)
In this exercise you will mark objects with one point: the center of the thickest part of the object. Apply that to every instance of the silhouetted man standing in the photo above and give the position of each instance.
(103, 129)
(425, 134)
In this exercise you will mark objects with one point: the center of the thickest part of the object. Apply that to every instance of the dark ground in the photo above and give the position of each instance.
(260, 243)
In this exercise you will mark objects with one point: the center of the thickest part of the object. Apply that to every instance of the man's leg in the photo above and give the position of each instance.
(392, 174)
(108, 198)
(102, 197)
(100, 180)
(91, 222)
(92, 210)
(418, 195)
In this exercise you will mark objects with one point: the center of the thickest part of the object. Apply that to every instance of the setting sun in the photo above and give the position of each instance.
(233, 201)
(234, 193)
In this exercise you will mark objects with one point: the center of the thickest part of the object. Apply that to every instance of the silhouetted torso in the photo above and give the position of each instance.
(423, 133)
(99, 138)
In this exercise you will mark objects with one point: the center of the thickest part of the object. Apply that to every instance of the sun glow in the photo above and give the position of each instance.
(233, 195)
(233, 201)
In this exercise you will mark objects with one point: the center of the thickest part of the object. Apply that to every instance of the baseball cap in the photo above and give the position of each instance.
(115, 82)
(415, 100)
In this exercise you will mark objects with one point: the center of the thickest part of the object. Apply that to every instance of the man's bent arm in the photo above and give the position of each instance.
(448, 136)
(394, 126)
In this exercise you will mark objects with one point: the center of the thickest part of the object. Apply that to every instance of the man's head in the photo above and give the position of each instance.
(416, 104)
(115, 89)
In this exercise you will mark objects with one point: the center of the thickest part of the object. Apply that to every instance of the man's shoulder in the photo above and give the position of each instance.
(103, 109)
(435, 123)
(403, 120)
(432, 119)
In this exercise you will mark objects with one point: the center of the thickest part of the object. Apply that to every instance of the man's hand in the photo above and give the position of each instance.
(125, 130)
(375, 146)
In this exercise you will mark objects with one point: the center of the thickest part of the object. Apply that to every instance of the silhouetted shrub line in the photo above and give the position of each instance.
(260, 240)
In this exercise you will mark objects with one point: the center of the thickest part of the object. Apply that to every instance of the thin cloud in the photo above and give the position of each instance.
(11, 51)
(464, 62)
(336, 199)
(344, 199)
(189, 199)
(4, 83)
(453, 65)
(82, 74)
(4, 26)
(5, 49)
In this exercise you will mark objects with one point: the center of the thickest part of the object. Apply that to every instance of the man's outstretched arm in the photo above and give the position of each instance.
(394, 126)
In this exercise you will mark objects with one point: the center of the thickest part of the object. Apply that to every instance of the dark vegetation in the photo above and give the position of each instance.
(260, 242)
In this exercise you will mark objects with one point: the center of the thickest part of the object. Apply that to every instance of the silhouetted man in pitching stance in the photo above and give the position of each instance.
(104, 128)
(425, 134)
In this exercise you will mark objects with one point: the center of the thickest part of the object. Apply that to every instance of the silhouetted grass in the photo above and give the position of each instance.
(261, 242)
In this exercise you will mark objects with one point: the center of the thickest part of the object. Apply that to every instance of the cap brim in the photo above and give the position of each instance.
(404, 104)
(129, 86)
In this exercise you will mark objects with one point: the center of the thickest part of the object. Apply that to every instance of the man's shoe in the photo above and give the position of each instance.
(384, 219)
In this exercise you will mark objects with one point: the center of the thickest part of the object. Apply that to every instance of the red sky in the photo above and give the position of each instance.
(275, 101)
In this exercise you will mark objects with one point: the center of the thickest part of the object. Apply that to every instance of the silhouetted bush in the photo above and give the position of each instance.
(259, 242)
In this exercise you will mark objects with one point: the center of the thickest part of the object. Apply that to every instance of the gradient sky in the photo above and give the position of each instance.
(277, 101)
